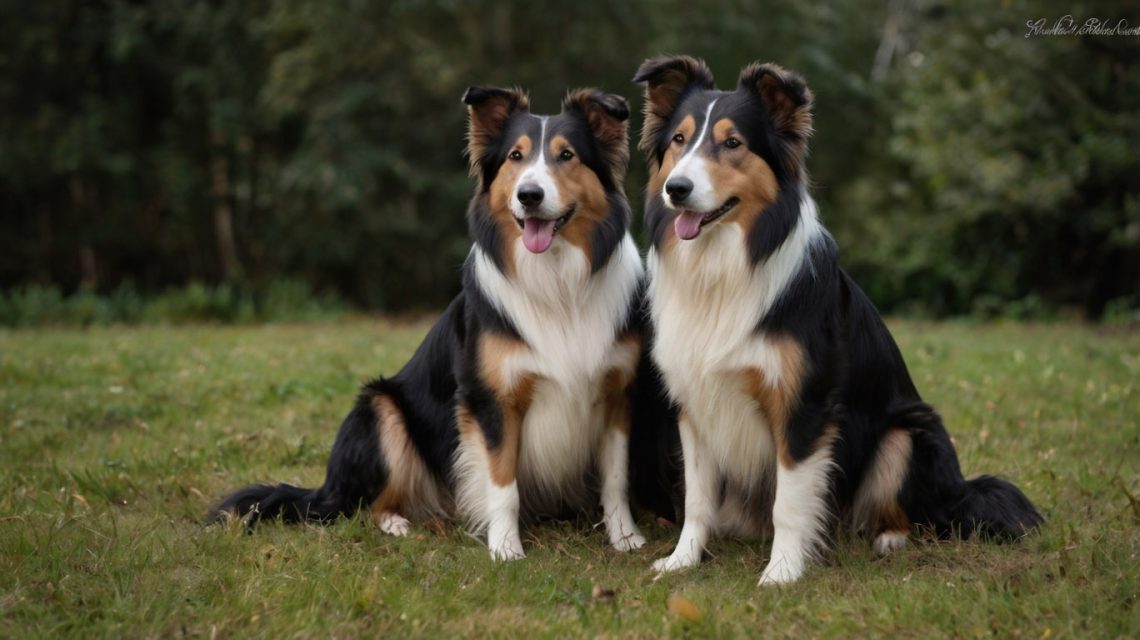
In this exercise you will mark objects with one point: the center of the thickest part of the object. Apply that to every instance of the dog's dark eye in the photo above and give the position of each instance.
(732, 143)
(515, 155)
(566, 155)
(679, 138)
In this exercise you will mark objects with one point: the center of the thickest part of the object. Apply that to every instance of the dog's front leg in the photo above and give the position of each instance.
(487, 482)
(701, 476)
(614, 464)
(800, 512)
(503, 537)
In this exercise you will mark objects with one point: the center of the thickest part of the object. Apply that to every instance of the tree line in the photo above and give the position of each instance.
(963, 166)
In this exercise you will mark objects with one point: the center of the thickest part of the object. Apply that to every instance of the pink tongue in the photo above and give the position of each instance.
(687, 225)
(538, 234)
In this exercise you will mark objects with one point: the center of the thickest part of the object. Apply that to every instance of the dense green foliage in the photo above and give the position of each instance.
(962, 166)
(115, 442)
(278, 301)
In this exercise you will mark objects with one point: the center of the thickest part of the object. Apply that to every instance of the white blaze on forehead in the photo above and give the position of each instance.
(538, 173)
(693, 166)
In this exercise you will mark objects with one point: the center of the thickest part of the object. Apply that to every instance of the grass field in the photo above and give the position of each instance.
(116, 441)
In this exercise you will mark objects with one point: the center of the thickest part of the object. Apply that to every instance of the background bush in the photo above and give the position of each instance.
(279, 301)
(146, 147)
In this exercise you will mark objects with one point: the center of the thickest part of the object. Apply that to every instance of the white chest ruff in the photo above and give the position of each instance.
(566, 315)
(569, 319)
(706, 301)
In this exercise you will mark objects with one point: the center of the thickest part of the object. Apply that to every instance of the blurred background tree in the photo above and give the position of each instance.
(963, 167)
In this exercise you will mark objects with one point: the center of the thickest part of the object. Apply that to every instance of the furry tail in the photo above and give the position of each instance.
(356, 475)
(936, 494)
(268, 502)
(995, 509)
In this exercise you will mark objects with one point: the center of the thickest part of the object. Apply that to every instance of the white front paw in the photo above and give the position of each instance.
(676, 562)
(507, 553)
(629, 542)
(780, 571)
(505, 546)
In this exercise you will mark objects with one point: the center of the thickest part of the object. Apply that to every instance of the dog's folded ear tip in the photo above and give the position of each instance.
(694, 68)
(476, 94)
(587, 99)
(615, 105)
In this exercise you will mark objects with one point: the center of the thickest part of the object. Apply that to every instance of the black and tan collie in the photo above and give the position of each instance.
(517, 404)
(794, 399)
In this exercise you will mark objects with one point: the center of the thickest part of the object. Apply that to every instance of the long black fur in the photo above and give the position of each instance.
(444, 371)
(855, 375)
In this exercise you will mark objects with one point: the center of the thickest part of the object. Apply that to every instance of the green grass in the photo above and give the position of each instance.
(115, 441)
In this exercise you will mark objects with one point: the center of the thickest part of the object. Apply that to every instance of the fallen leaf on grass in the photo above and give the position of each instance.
(683, 608)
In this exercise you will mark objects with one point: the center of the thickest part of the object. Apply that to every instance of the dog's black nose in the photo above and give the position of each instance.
(679, 189)
(530, 195)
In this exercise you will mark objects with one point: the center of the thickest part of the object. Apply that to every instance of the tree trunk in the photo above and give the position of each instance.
(223, 211)
(80, 200)
(891, 42)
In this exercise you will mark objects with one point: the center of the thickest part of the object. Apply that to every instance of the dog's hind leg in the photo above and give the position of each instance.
(876, 510)
(411, 490)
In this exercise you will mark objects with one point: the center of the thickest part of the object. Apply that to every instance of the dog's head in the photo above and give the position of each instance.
(719, 157)
(545, 180)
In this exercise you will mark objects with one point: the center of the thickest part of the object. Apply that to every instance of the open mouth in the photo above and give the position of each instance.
(688, 224)
(538, 233)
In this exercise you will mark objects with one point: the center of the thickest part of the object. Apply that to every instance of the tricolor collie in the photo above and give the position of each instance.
(517, 404)
(794, 399)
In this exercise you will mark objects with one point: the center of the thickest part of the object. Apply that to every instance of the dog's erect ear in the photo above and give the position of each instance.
(488, 110)
(786, 98)
(607, 115)
(667, 79)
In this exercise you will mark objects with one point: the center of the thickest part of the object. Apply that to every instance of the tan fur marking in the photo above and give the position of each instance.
(784, 112)
(513, 395)
(876, 508)
(657, 178)
(577, 184)
(615, 385)
(777, 398)
(617, 402)
(663, 90)
(411, 489)
(742, 174)
(788, 102)
(892, 519)
(494, 350)
(503, 460)
(611, 132)
(500, 194)
(485, 122)
(630, 343)
(688, 128)
(466, 422)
